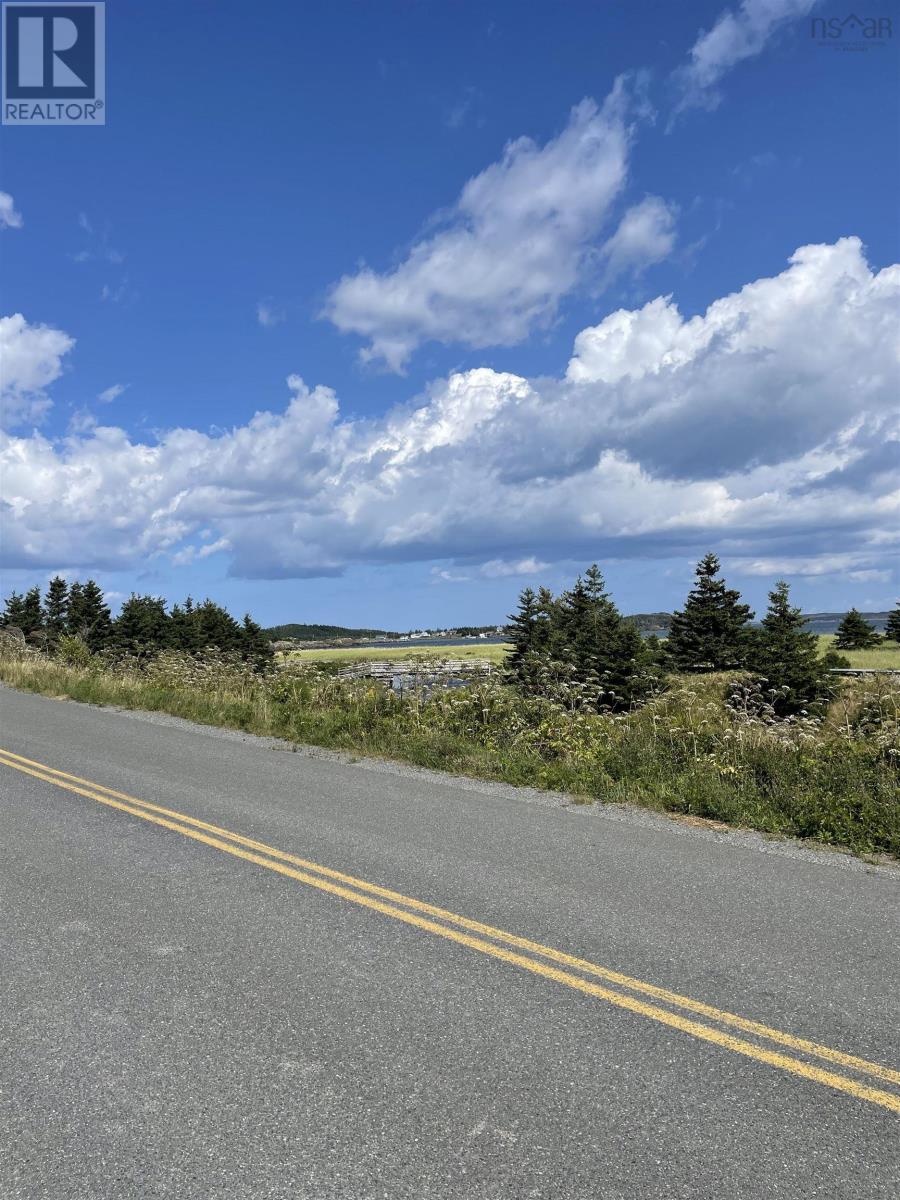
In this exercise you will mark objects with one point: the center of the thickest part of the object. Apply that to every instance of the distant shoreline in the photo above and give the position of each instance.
(820, 623)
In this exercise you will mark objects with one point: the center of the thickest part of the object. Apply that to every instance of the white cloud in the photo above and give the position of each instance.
(268, 314)
(848, 565)
(30, 360)
(646, 235)
(499, 568)
(112, 393)
(215, 547)
(445, 575)
(736, 35)
(512, 246)
(766, 427)
(9, 217)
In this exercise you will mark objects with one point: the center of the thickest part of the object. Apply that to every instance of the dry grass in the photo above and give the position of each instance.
(886, 655)
(488, 650)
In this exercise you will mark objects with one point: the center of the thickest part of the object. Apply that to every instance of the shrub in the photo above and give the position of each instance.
(73, 650)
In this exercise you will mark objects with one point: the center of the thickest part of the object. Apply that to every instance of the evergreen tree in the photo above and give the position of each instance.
(89, 617)
(74, 622)
(786, 653)
(892, 629)
(521, 632)
(13, 611)
(256, 649)
(142, 627)
(547, 616)
(710, 633)
(217, 627)
(855, 632)
(32, 612)
(56, 606)
(183, 631)
(589, 632)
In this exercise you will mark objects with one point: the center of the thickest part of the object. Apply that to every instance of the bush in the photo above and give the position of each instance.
(73, 650)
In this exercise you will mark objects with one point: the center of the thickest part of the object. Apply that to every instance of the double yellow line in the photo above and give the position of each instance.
(664, 1006)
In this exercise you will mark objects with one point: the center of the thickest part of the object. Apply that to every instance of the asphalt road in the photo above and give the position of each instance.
(185, 1015)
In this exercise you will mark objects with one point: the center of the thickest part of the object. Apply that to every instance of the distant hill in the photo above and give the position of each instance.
(657, 622)
(315, 633)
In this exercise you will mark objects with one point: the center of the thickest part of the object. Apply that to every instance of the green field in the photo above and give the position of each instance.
(885, 655)
(491, 651)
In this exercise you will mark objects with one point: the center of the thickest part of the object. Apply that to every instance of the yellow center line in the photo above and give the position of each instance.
(707, 1010)
(319, 877)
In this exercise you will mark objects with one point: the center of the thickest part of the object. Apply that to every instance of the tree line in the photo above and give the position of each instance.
(143, 628)
(582, 631)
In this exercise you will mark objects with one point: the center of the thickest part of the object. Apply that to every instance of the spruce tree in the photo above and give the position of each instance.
(56, 606)
(13, 611)
(183, 631)
(94, 623)
(547, 616)
(855, 633)
(589, 632)
(142, 627)
(256, 648)
(892, 629)
(32, 612)
(520, 632)
(786, 653)
(216, 627)
(74, 622)
(710, 633)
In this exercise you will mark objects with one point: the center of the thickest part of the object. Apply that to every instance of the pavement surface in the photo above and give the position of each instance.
(185, 1015)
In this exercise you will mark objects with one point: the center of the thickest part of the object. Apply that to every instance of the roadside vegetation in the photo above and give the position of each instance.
(734, 724)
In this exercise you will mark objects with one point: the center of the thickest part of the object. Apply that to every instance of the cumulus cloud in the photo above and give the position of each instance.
(30, 360)
(736, 35)
(9, 217)
(512, 246)
(748, 427)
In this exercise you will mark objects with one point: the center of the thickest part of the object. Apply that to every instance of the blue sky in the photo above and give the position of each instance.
(492, 393)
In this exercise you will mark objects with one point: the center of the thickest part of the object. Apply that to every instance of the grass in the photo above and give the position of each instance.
(887, 655)
(491, 651)
(705, 747)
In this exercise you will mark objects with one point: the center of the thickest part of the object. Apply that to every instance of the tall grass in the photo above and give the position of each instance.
(707, 746)
(885, 656)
